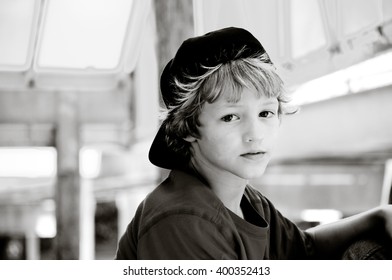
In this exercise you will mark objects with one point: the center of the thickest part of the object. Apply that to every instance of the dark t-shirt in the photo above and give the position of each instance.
(183, 219)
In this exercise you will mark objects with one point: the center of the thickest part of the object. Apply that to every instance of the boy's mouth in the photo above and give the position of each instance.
(254, 155)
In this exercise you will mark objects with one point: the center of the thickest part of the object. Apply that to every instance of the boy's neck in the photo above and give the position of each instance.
(227, 187)
(231, 196)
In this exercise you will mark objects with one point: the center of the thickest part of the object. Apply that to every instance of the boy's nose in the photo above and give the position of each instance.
(254, 131)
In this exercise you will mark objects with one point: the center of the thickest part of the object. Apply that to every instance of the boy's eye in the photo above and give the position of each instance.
(266, 114)
(229, 118)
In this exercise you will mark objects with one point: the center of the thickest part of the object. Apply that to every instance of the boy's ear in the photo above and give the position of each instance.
(190, 139)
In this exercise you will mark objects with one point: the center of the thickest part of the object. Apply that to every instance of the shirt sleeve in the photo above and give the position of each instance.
(126, 248)
(185, 236)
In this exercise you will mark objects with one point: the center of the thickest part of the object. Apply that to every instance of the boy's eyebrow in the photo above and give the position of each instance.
(271, 102)
(237, 104)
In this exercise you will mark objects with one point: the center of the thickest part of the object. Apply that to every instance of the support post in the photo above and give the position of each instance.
(68, 178)
(32, 240)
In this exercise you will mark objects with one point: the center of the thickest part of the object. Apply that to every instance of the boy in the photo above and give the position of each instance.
(224, 103)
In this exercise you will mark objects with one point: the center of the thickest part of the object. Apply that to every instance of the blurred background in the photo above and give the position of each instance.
(79, 106)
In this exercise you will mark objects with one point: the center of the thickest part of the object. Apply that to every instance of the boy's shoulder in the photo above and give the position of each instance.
(181, 193)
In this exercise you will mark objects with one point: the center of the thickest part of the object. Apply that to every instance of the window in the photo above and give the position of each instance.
(307, 29)
(83, 34)
(18, 19)
(358, 15)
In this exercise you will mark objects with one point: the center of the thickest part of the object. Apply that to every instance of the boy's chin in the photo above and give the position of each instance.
(253, 174)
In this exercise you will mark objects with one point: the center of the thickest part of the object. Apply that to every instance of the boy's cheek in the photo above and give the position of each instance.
(273, 142)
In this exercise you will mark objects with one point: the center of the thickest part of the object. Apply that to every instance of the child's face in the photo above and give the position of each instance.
(237, 138)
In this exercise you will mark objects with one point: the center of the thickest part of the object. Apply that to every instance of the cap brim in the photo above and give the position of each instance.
(161, 155)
